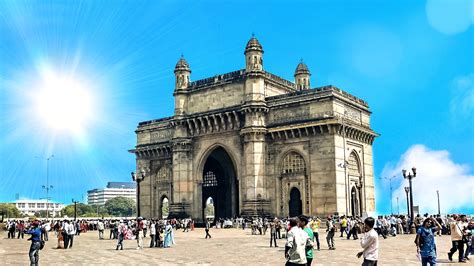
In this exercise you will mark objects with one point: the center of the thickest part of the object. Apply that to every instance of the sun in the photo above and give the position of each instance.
(64, 103)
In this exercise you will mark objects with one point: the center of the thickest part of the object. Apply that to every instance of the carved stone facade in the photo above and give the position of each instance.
(257, 144)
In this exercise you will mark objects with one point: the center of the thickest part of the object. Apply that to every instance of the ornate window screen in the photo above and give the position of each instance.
(354, 167)
(293, 163)
(210, 179)
(164, 174)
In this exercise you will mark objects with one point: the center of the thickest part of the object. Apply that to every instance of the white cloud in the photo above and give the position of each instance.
(450, 16)
(462, 97)
(435, 171)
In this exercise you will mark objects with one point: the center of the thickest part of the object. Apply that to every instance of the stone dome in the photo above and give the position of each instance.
(302, 68)
(253, 45)
(182, 65)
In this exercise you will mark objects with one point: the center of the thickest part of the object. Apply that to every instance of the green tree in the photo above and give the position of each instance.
(82, 209)
(120, 206)
(9, 210)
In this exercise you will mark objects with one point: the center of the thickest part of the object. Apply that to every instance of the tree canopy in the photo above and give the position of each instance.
(120, 206)
(9, 210)
(82, 209)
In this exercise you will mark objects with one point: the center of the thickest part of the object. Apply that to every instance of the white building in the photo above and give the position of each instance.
(29, 207)
(114, 189)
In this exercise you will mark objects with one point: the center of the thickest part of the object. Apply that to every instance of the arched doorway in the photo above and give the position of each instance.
(164, 207)
(220, 184)
(209, 210)
(355, 202)
(295, 205)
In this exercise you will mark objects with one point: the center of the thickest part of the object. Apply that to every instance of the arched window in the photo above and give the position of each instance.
(210, 179)
(293, 163)
(164, 174)
(354, 165)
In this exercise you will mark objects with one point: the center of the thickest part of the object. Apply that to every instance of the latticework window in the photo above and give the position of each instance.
(293, 163)
(354, 168)
(164, 174)
(210, 179)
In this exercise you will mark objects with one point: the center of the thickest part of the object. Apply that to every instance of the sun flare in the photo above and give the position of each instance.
(64, 103)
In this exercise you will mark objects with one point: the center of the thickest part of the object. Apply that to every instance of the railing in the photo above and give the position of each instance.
(217, 79)
(282, 81)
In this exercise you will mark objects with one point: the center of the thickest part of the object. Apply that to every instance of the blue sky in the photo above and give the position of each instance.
(411, 60)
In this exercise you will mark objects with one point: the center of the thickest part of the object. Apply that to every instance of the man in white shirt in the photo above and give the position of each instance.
(71, 231)
(370, 243)
(101, 228)
(297, 242)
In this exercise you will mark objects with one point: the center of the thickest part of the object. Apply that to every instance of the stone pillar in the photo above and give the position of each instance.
(181, 186)
(254, 200)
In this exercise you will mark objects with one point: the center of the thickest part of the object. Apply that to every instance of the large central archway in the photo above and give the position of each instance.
(220, 183)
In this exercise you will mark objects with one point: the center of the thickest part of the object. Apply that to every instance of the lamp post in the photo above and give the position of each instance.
(410, 176)
(75, 209)
(391, 194)
(398, 208)
(47, 187)
(407, 190)
(138, 179)
(439, 209)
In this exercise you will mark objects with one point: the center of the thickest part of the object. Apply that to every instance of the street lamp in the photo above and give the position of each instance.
(138, 179)
(47, 187)
(439, 209)
(410, 176)
(407, 190)
(75, 209)
(398, 208)
(391, 195)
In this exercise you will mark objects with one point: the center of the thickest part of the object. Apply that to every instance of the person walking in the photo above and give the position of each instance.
(152, 234)
(122, 230)
(297, 243)
(208, 227)
(21, 229)
(303, 224)
(101, 228)
(65, 234)
(456, 239)
(35, 246)
(425, 242)
(314, 225)
(369, 243)
(330, 229)
(343, 225)
(139, 232)
(71, 231)
(273, 234)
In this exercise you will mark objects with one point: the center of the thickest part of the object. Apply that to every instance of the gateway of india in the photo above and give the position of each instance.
(257, 144)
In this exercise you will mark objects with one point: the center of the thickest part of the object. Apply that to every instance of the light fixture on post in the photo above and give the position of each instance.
(410, 176)
(138, 178)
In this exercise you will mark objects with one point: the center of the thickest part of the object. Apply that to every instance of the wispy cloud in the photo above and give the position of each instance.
(462, 97)
(435, 171)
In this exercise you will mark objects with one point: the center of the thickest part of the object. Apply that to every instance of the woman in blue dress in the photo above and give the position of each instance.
(168, 237)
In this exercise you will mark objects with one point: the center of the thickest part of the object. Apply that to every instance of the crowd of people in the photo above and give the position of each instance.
(301, 233)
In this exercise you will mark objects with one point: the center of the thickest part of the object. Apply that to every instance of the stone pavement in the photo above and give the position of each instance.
(227, 247)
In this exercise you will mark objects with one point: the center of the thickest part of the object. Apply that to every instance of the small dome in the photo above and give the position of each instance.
(302, 68)
(253, 45)
(182, 65)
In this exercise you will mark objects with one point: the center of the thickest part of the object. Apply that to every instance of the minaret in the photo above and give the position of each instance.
(182, 73)
(302, 75)
(253, 55)
(255, 200)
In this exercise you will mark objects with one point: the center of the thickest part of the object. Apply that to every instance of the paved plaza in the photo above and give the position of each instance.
(227, 247)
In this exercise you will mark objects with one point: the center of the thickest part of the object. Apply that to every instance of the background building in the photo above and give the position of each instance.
(29, 207)
(99, 196)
